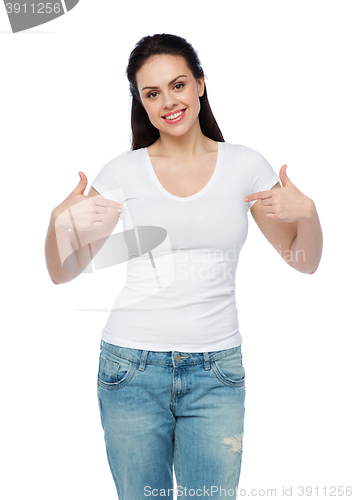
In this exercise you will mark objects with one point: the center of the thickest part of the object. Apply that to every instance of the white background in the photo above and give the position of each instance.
(279, 80)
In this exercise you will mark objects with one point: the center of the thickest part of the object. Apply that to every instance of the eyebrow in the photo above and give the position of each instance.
(173, 81)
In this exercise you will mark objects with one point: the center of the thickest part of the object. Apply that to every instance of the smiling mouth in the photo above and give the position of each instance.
(174, 116)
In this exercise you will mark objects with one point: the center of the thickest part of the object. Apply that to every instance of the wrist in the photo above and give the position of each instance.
(55, 214)
(310, 212)
(58, 220)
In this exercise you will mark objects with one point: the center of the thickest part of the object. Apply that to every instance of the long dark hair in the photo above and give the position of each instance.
(143, 131)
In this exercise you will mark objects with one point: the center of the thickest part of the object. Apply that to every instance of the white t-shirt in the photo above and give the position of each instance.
(179, 292)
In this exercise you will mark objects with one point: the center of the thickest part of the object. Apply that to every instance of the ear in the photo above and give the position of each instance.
(201, 85)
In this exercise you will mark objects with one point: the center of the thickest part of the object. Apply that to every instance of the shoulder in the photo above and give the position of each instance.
(245, 157)
(124, 160)
(242, 150)
(126, 155)
(252, 161)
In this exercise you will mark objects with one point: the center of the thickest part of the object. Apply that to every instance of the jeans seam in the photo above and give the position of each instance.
(120, 356)
(114, 476)
(224, 380)
(176, 464)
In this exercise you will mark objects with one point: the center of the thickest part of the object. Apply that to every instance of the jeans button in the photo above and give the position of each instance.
(178, 357)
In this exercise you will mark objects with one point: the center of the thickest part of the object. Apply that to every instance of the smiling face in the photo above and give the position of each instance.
(167, 87)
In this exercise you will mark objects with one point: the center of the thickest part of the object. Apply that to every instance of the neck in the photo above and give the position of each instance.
(184, 147)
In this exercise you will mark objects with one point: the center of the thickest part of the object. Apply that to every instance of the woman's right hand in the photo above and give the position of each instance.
(88, 212)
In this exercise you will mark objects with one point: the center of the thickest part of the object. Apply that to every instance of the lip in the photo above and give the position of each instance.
(176, 119)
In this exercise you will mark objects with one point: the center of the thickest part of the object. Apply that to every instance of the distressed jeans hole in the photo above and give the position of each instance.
(233, 443)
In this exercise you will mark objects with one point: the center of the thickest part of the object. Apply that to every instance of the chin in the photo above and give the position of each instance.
(177, 131)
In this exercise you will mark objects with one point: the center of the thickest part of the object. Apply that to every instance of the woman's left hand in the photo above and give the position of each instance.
(285, 204)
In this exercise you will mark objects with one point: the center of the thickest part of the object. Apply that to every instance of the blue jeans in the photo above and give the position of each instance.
(165, 409)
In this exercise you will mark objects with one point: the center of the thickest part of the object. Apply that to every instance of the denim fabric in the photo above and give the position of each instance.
(161, 410)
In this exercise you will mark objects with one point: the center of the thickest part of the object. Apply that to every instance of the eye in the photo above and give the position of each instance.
(175, 87)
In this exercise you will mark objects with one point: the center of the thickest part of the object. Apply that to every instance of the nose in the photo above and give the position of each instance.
(169, 101)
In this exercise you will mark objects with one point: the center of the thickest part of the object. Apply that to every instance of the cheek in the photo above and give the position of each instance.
(193, 100)
(150, 109)
(192, 97)
(196, 103)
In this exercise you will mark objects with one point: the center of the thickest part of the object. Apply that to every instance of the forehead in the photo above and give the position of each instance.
(160, 70)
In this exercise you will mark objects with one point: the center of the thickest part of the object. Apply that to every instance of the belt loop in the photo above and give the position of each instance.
(143, 360)
(206, 361)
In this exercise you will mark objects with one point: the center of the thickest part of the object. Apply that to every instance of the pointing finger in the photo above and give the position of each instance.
(104, 202)
(261, 195)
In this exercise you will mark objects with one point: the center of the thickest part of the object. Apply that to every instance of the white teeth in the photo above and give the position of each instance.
(173, 117)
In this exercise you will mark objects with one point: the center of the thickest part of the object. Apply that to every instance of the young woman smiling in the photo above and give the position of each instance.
(171, 382)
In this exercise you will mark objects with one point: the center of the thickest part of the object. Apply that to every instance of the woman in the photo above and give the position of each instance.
(171, 383)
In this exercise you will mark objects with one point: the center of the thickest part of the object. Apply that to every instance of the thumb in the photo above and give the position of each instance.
(80, 188)
(283, 177)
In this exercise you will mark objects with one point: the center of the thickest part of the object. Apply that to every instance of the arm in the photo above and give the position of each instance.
(60, 243)
(289, 220)
(306, 249)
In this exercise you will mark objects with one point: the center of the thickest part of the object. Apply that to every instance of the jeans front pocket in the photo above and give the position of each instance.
(229, 369)
(114, 372)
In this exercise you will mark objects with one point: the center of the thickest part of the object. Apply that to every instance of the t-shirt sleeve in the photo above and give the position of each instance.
(108, 180)
(261, 174)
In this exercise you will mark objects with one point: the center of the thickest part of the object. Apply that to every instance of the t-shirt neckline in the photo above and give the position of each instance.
(195, 195)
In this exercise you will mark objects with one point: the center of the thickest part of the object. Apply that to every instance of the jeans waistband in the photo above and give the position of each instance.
(167, 358)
